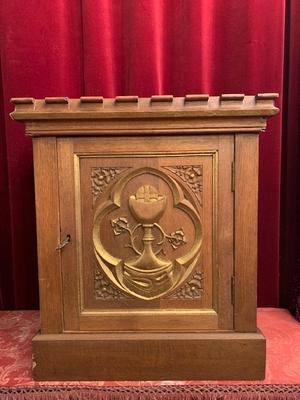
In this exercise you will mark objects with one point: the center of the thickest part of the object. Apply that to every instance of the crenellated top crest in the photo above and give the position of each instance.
(157, 113)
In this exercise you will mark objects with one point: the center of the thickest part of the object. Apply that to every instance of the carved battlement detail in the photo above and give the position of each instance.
(141, 104)
(95, 115)
(155, 115)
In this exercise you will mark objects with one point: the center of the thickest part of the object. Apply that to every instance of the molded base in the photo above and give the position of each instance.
(149, 356)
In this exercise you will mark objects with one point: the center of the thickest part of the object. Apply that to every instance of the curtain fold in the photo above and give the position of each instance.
(41, 55)
(134, 47)
(290, 194)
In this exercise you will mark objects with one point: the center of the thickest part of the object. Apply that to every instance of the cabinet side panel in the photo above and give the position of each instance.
(47, 215)
(246, 186)
(224, 229)
(69, 220)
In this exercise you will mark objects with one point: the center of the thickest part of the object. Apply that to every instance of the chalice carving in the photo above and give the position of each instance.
(149, 273)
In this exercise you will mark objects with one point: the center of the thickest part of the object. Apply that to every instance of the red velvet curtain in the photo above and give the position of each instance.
(142, 47)
(290, 204)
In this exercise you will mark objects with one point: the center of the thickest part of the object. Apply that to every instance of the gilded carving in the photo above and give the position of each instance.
(149, 274)
(176, 238)
(192, 175)
(120, 225)
(192, 289)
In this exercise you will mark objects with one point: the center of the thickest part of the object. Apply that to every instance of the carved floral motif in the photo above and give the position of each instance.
(104, 289)
(120, 225)
(101, 177)
(192, 289)
(176, 238)
(192, 175)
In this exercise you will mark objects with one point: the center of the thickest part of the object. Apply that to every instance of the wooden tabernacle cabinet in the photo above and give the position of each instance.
(147, 236)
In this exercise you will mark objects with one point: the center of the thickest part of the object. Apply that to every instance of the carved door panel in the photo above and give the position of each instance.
(151, 225)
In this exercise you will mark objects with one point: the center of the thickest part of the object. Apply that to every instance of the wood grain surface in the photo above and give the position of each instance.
(147, 235)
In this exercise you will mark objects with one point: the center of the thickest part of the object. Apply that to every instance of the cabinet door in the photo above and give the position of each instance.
(151, 226)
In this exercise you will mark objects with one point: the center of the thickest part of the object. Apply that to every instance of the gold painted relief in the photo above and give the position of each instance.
(130, 237)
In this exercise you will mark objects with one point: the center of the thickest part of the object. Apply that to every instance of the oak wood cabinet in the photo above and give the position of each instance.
(147, 236)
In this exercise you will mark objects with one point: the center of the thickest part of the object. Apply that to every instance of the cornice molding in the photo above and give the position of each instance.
(194, 113)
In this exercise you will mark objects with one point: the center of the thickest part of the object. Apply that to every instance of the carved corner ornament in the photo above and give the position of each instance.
(101, 177)
(148, 274)
(104, 289)
(191, 289)
(192, 175)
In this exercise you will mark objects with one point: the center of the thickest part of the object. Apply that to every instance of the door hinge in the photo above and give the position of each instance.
(232, 288)
(232, 176)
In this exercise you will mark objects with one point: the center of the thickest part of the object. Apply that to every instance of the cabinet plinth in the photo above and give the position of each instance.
(147, 236)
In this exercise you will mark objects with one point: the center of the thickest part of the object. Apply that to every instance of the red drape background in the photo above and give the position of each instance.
(290, 199)
(142, 47)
